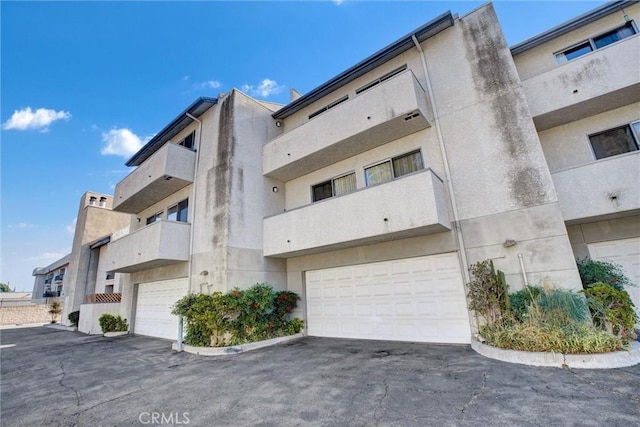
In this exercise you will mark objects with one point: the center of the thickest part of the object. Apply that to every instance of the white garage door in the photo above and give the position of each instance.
(414, 299)
(625, 252)
(154, 305)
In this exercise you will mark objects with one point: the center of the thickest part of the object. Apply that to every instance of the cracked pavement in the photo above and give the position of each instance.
(60, 378)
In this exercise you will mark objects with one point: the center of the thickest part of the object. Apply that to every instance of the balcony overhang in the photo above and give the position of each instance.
(158, 244)
(168, 170)
(391, 110)
(409, 206)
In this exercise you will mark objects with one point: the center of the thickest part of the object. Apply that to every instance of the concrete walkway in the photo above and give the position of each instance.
(60, 378)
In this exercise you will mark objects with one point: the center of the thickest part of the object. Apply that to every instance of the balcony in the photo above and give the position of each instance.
(607, 187)
(102, 298)
(408, 206)
(599, 81)
(388, 111)
(165, 172)
(155, 245)
(48, 281)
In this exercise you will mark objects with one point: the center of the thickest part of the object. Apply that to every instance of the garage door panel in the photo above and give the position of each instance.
(626, 253)
(154, 303)
(417, 300)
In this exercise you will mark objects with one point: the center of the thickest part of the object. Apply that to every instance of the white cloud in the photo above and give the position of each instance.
(213, 84)
(71, 228)
(266, 88)
(21, 225)
(338, 2)
(40, 119)
(121, 142)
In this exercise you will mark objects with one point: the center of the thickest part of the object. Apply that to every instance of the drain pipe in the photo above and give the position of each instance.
(524, 272)
(192, 208)
(445, 160)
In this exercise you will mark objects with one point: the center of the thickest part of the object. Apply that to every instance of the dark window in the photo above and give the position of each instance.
(189, 141)
(615, 141)
(155, 217)
(597, 42)
(341, 185)
(613, 36)
(394, 168)
(179, 212)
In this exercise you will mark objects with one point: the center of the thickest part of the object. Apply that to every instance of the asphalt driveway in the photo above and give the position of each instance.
(59, 378)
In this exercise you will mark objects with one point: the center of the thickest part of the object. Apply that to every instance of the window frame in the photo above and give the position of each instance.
(156, 217)
(179, 211)
(390, 161)
(635, 136)
(333, 187)
(562, 59)
(192, 135)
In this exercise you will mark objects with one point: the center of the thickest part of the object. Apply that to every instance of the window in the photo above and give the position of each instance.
(381, 79)
(108, 289)
(110, 275)
(103, 202)
(620, 140)
(328, 107)
(92, 201)
(334, 187)
(155, 217)
(189, 141)
(179, 212)
(394, 168)
(582, 48)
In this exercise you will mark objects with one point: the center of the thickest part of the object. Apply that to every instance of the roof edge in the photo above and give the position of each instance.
(401, 45)
(572, 24)
(168, 131)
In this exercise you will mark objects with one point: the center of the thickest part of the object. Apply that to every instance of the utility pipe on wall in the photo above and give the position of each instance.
(192, 208)
(445, 160)
(524, 272)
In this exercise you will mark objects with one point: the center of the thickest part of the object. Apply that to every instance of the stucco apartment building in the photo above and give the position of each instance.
(372, 194)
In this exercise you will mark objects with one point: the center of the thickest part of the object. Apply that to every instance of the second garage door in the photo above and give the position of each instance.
(625, 252)
(415, 299)
(153, 307)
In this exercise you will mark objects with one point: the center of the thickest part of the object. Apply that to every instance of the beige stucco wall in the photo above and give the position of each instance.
(541, 59)
(90, 313)
(25, 314)
(568, 145)
(602, 231)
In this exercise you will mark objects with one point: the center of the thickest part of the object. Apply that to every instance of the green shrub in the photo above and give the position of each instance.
(552, 320)
(487, 292)
(519, 301)
(573, 338)
(237, 317)
(110, 323)
(55, 308)
(74, 317)
(598, 271)
(612, 310)
(295, 326)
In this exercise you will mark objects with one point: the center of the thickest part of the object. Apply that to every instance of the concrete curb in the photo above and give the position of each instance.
(236, 349)
(23, 325)
(617, 359)
(115, 334)
(61, 327)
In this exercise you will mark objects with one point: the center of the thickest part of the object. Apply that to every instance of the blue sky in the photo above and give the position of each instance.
(85, 83)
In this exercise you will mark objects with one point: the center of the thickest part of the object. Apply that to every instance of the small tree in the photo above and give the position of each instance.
(488, 292)
(5, 288)
(55, 308)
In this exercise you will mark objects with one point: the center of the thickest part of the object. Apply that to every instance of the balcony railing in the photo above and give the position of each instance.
(165, 172)
(604, 187)
(599, 81)
(393, 109)
(408, 206)
(102, 298)
(158, 244)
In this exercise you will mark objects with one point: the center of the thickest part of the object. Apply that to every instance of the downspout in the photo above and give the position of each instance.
(445, 160)
(192, 208)
(447, 172)
(522, 269)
